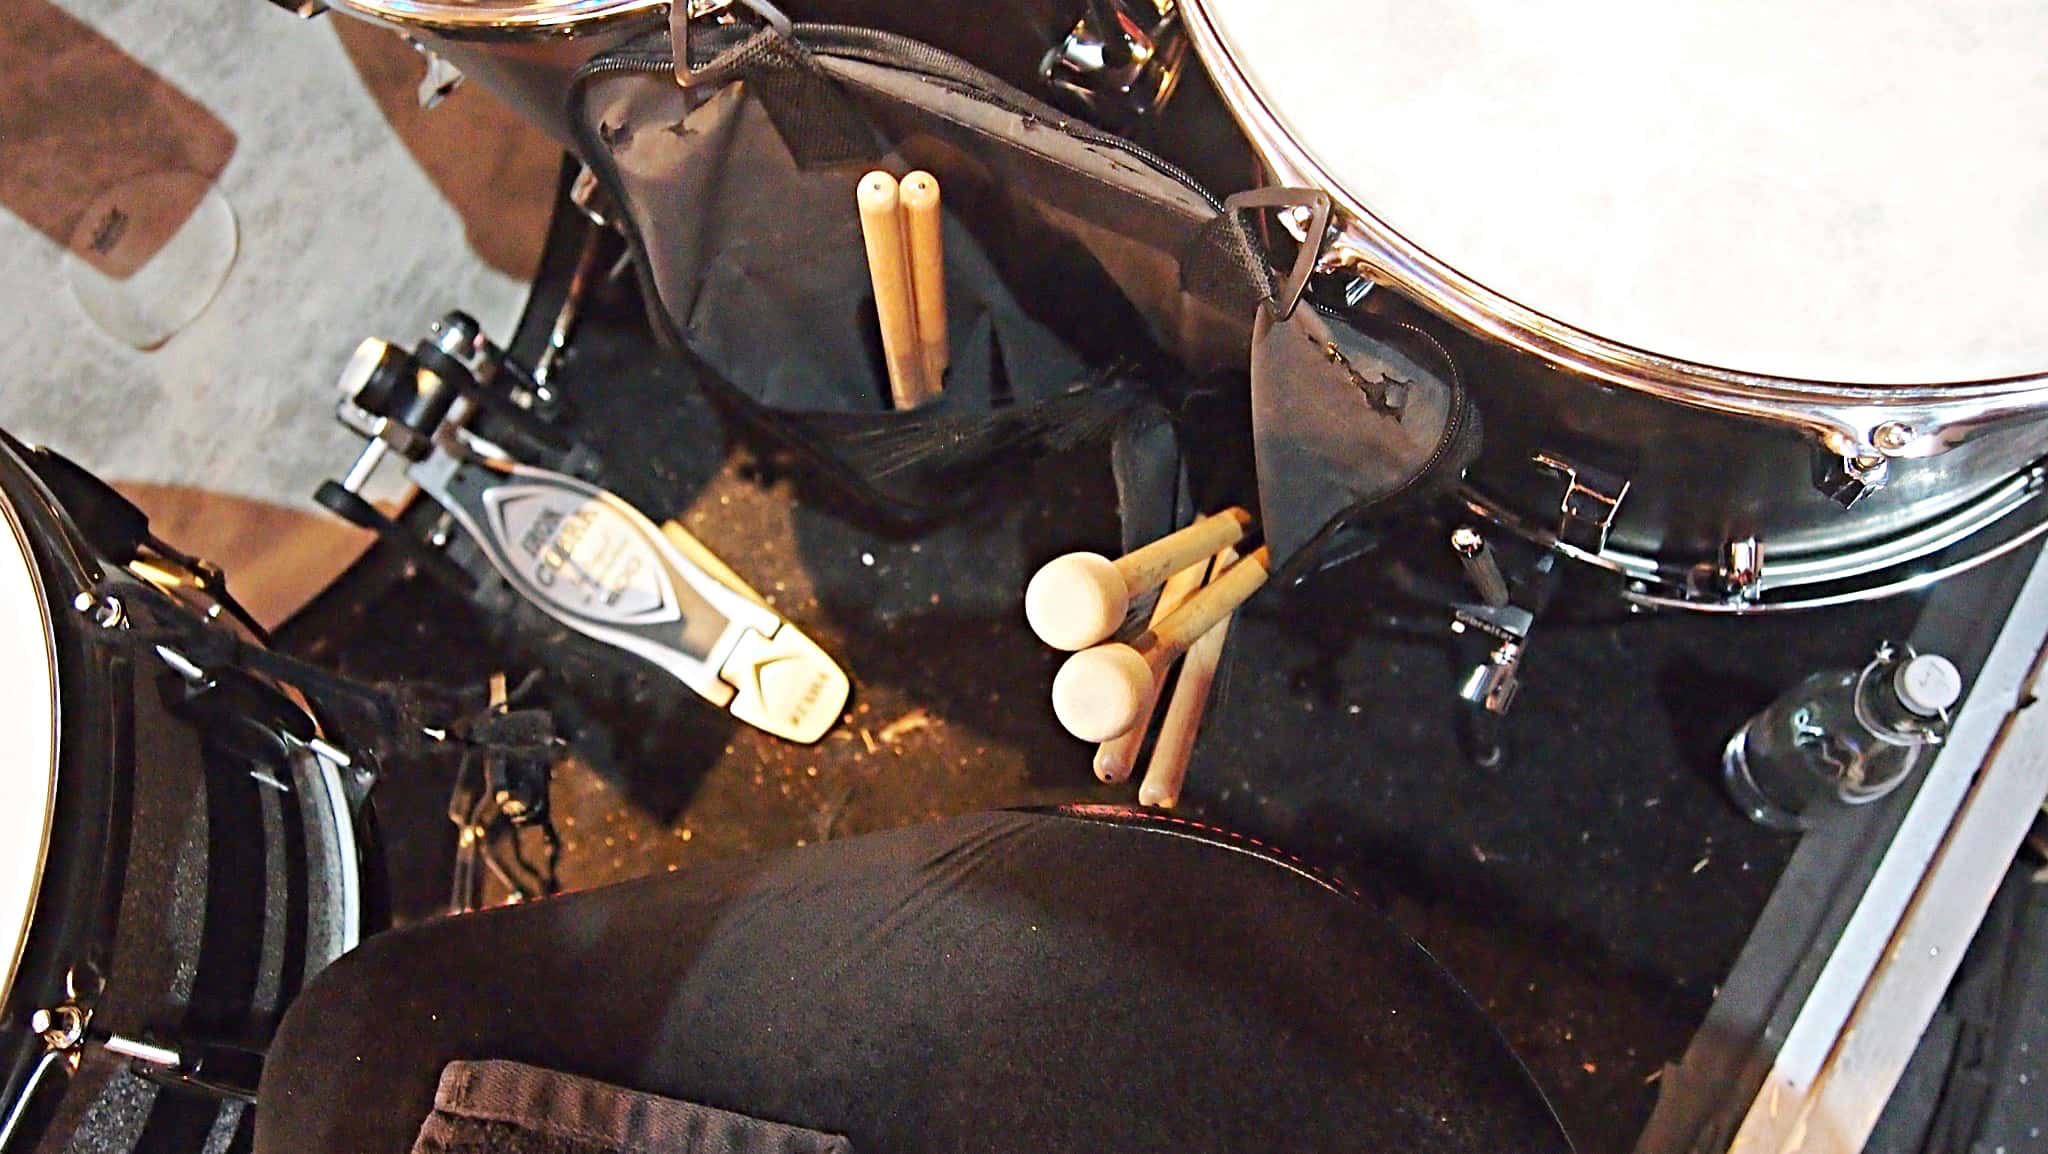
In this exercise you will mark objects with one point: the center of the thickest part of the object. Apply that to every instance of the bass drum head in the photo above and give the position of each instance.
(28, 721)
(1829, 192)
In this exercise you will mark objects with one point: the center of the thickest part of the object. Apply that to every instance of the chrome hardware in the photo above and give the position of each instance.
(1591, 499)
(62, 1027)
(1122, 60)
(320, 748)
(1492, 686)
(439, 81)
(182, 665)
(588, 194)
(144, 1052)
(304, 10)
(365, 464)
(2008, 518)
(106, 612)
(460, 336)
(1847, 477)
(1741, 573)
(1481, 568)
(1892, 436)
(581, 281)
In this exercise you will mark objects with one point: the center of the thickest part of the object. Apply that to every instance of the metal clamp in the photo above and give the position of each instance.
(680, 15)
(1492, 686)
(1121, 62)
(1591, 499)
(1309, 210)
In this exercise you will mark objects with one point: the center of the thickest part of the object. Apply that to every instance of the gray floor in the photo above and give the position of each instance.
(341, 235)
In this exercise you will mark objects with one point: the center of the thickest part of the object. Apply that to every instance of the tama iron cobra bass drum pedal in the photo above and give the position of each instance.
(580, 554)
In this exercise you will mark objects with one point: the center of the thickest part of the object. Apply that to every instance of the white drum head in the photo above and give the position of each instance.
(28, 726)
(1834, 191)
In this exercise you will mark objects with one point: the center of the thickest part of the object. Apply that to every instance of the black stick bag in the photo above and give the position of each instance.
(1088, 282)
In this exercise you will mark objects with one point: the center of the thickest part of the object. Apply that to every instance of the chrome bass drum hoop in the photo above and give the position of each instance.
(554, 20)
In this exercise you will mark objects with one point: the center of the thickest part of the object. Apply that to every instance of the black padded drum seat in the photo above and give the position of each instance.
(1087, 980)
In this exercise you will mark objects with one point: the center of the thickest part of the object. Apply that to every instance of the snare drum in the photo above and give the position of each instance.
(176, 855)
(1750, 295)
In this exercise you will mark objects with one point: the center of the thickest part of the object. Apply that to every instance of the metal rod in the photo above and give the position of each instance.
(1480, 566)
(366, 463)
(144, 1052)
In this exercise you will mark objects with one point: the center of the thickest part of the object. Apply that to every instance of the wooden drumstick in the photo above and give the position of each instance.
(1098, 692)
(881, 226)
(1168, 769)
(1079, 599)
(922, 224)
(1115, 758)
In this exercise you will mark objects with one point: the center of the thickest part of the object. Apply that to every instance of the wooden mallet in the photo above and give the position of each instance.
(1099, 692)
(1168, 769)
(1080, 599)
(1115, 758)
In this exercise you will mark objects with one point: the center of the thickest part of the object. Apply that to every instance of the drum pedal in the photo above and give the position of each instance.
(579, 553)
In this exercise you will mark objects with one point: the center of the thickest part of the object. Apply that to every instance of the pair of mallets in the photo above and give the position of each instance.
(1107, 691)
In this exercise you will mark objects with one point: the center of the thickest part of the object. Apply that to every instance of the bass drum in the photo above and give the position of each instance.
(179, 850)
(1747, 295)
(527, 51)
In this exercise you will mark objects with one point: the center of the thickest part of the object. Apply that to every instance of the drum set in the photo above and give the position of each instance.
(1740, 292)
(1753, 341)
(1738, 297)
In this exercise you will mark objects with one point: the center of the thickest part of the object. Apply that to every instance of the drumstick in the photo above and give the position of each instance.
(1115, 758)
(922, 223)
(1079, 599)
(1168, 769)
(881, 226)
(1096, 694)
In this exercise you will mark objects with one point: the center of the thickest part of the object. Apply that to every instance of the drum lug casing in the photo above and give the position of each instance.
(1121, 62)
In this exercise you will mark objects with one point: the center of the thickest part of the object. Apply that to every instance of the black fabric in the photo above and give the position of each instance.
(1027, 982)
(740, 194)
(1334, 453)
(1085, 278)
(508, 1108)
